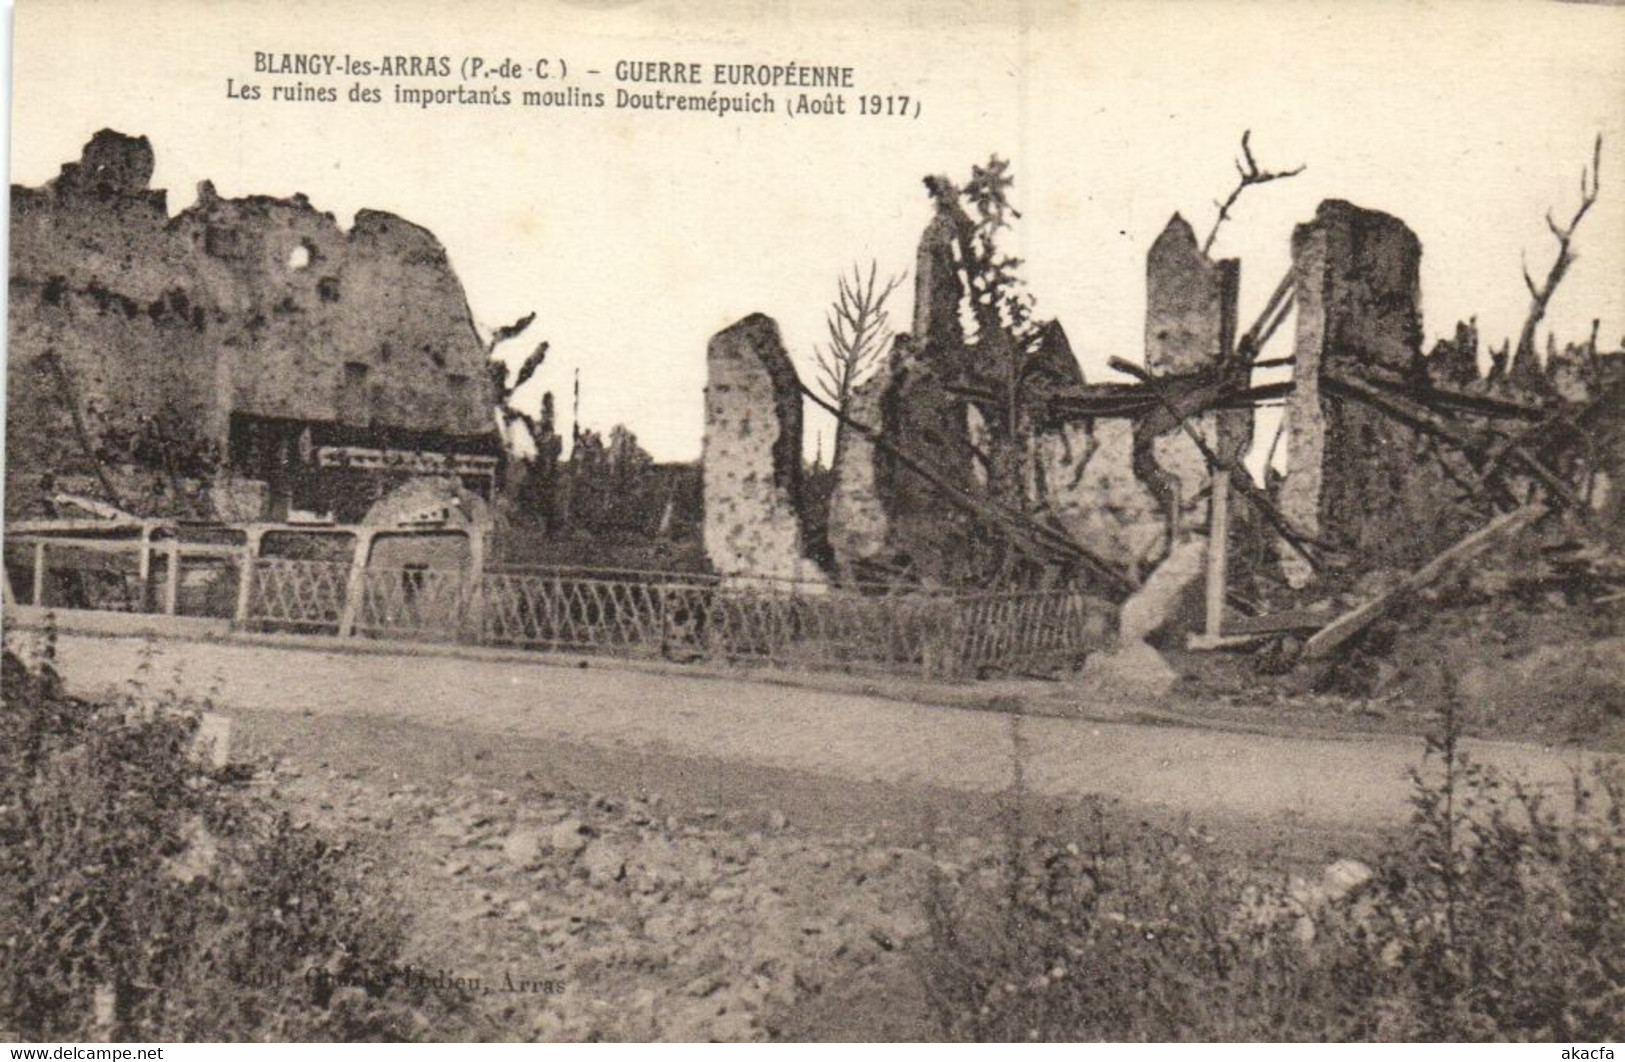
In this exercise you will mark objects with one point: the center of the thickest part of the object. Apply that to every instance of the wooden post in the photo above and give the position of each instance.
(1218, 551)
(144, 567)
(245, 576)
(1218, 529)
(172, 577)
(472, 622)
(554, 604)
(355, 588)
(39, 572)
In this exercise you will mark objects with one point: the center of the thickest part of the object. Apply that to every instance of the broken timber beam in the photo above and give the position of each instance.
(1421, 417)
(1275, 311)
(1335, 634)
(1028, 535)
(1238, 476)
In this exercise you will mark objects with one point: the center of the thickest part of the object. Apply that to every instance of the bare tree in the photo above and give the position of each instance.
(1247, 169)
(859, 333)
(1541, 294)
(507, 385)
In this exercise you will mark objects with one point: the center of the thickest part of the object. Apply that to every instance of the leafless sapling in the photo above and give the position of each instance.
(1540, 295)
(507, 385)
(859, 334)
(1247, 169)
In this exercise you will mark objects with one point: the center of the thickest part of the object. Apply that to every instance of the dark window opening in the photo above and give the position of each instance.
(412, 578)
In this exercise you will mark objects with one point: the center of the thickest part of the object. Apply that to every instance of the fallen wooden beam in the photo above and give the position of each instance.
(1238, 476)
(1351, 623)
(1038, 541)
(1201, 642)
(1419, 416)
(1241, 632)
(1296, 619)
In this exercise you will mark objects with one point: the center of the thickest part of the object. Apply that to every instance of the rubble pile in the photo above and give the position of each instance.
(646, 924)
(1403, 467)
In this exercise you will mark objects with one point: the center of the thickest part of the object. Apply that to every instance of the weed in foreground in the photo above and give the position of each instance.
(1492, 916)
(145, 897)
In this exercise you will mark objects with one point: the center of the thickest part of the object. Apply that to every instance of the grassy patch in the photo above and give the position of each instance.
(146, 897)
(1493, 916)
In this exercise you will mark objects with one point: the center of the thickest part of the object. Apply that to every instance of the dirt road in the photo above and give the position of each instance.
(1358, 783)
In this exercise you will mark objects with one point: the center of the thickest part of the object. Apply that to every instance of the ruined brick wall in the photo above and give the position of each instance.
(254, 305)
(754, 525)
(1184, 293)
(859, 524)
(1103, 495)
(1357, 478)
(886, 520)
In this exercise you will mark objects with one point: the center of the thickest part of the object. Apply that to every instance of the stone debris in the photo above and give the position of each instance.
(211, 743)
(603, 862)
(568, 837)
(1344, 877)
(523, 848)
(1135, 667)
(671, 927)
(197, 858)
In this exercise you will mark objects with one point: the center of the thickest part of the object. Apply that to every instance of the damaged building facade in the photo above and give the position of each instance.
(1392, 453)
(246, 359)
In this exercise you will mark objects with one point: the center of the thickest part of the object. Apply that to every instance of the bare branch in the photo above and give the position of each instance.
(1540, 296)
(507, 332)
(1250, 174)
(529, 367)
(859, 333)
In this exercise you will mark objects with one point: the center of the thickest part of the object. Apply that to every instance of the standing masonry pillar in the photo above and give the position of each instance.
(1357, 479)
(1189, 330)
(858, 521)
(1184, 303)
(754, 525)
(886, 521)
(1190, 327)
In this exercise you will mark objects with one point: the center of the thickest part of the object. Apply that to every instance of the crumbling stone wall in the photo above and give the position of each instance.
(754, 523)
(1127, 489)
(1184, 297)
(886, 520)
(255, 305)
(1092, 492)
(859, 525)
(926, 536)
(1356, 478)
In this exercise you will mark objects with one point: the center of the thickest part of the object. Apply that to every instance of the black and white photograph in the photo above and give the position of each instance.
(653, 521)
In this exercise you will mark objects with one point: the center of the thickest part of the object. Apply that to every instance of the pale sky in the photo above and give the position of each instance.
(635, 236)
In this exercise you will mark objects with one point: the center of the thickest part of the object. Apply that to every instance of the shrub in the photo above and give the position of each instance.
(1491, 917)
(145, 897)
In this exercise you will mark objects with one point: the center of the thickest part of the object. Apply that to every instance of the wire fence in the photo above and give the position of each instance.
(688, 618)
(628, 613)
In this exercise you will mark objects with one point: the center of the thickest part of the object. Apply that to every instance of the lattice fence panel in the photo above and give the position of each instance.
(298, 595)
(938, 635)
